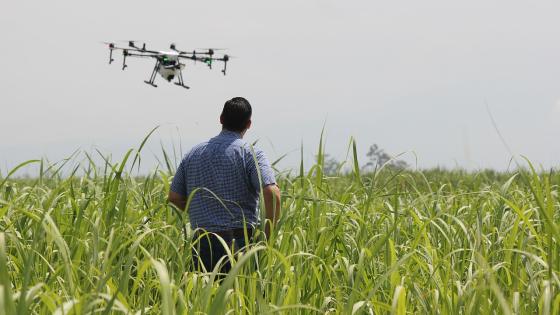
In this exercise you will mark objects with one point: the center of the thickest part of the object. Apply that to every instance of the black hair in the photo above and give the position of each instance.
(236, 114)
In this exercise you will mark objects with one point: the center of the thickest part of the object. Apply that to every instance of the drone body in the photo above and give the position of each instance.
(168, 63)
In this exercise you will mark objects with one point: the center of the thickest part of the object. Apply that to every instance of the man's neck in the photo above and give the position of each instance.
(241, 134)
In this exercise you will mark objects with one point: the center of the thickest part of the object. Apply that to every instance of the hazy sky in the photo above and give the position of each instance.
(411, 76)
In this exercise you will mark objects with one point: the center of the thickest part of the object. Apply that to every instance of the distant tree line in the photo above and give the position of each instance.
(376, 158)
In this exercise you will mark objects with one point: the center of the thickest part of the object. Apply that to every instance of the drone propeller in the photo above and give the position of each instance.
(173, 47)
(129, 40)
(210, 51)
(215, 49)
(132, 43)
(226, 58)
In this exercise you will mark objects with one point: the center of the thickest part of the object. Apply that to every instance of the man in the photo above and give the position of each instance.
(225, 182)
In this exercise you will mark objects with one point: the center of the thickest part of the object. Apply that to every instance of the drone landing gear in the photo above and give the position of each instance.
(182, 85)
(153, 76)
(181, 82)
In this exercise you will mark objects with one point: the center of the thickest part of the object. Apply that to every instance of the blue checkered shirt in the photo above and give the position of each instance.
(223, 176)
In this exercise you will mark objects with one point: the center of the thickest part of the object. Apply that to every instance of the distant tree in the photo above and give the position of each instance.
(330, 165)
(377, 157)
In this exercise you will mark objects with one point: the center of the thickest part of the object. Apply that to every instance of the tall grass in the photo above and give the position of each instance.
(389, 242)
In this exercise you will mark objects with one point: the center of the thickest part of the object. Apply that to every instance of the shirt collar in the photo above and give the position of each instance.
(229, 134)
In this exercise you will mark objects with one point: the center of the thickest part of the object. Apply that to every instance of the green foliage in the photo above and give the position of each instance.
(390, 242)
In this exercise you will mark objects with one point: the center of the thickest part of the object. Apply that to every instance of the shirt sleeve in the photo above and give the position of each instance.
(264, 167)
(179, 184)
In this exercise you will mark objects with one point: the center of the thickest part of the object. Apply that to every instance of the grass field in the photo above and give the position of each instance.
(390, 242)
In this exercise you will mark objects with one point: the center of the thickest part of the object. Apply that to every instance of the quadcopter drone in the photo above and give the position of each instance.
(168, 63)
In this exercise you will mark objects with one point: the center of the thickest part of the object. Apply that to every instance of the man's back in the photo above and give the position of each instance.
(224, 178)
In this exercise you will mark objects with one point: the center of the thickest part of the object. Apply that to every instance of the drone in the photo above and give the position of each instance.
(168, 63)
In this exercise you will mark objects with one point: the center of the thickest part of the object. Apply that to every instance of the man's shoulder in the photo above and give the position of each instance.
(240, 145)
(250, 147)
(253, 152)
(195, 149)
(200, 146)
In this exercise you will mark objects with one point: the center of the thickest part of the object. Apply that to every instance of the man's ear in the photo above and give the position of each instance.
(221, 119)
(249, 124)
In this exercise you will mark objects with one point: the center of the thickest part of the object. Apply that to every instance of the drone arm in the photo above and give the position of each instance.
(208, 60)
(201, 59)
(127, 54)
(195, 58)
(142, 55)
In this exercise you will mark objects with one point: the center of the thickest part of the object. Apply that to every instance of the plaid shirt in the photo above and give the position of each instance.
(223, 167)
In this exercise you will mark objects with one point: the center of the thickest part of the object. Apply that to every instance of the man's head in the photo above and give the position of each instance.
(236, 115)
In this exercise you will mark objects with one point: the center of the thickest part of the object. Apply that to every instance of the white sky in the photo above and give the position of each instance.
(407, 75)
